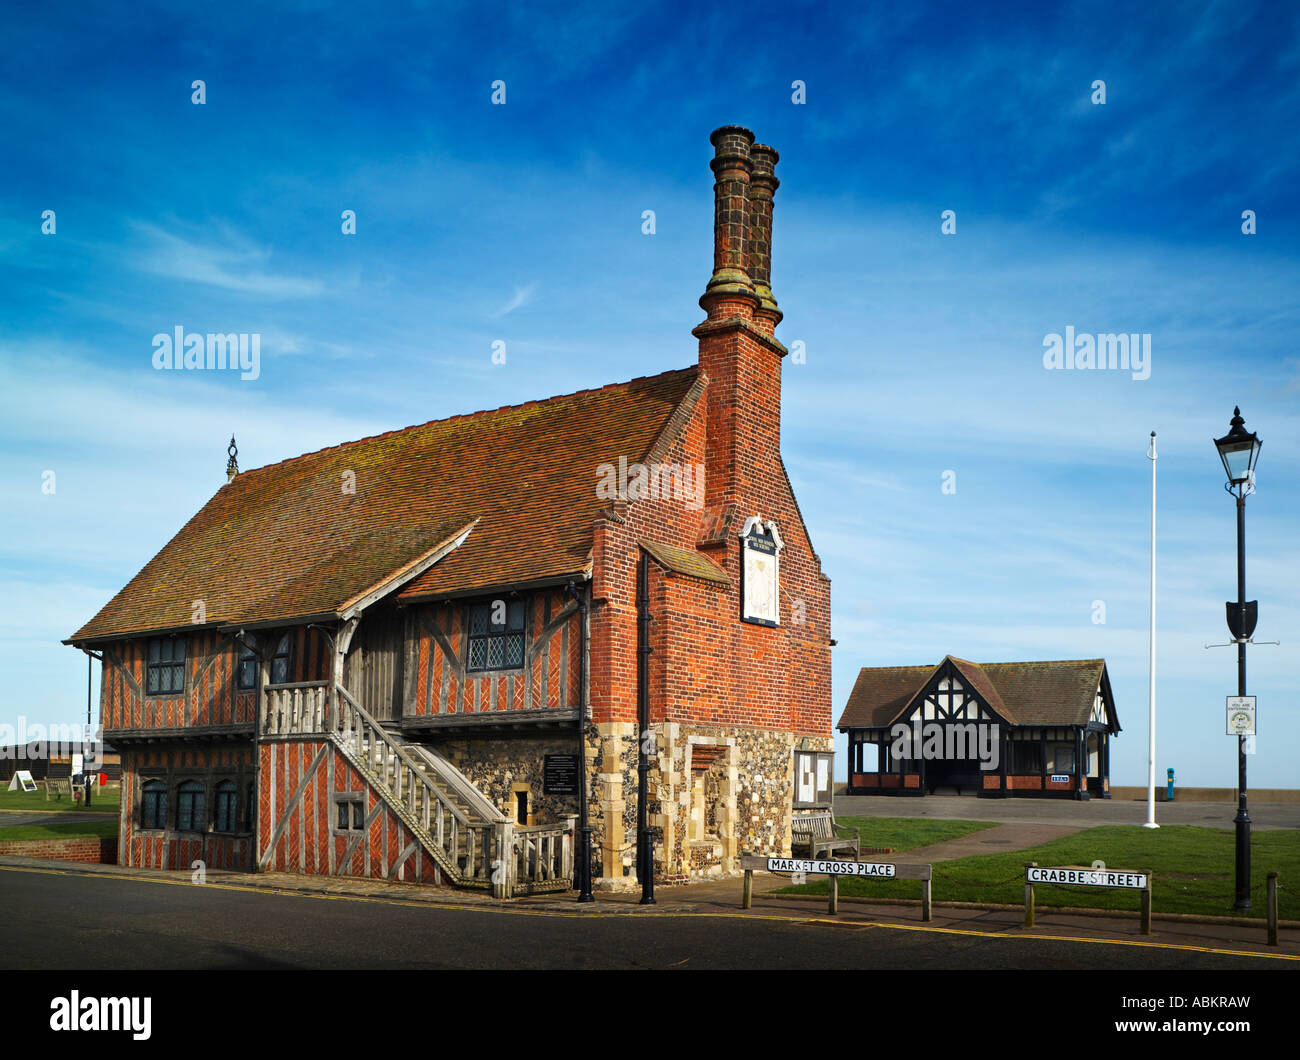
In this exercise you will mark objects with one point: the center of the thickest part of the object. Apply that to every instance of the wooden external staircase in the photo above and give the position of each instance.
(470, 839)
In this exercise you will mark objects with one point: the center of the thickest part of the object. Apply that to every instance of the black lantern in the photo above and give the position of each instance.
(1238, 450)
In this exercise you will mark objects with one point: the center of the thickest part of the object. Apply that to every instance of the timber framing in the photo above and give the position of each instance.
(181, 734)
(353, 607)
(515, 720)
(479, 648)
(1049, 724)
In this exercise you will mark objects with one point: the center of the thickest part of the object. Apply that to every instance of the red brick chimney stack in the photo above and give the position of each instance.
(738, 352)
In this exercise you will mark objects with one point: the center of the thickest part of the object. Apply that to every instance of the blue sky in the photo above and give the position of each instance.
(522, 223)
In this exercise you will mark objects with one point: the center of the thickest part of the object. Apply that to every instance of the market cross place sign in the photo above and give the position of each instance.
(830, 868)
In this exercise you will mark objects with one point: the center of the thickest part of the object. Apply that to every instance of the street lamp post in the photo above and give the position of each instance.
(1239, 450)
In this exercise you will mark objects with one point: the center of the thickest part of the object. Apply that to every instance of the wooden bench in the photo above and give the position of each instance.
(817, 833)
(58, 788)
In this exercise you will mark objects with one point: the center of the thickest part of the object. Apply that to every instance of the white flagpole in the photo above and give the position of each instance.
(1151, 680)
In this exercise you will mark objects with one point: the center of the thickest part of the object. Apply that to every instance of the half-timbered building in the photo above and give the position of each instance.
(382, 658)
(992, 729)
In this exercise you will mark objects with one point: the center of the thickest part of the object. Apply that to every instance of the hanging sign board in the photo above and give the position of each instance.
(1241, 716)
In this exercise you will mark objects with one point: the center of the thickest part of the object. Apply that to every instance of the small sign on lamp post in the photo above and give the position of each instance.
(1241, 715)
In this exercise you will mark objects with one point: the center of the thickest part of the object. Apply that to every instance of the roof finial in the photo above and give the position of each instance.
(232, 465)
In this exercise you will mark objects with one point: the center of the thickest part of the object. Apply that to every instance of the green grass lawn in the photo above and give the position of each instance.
(105, 800)
(908, 833)
(61, 830)
(1193, 871)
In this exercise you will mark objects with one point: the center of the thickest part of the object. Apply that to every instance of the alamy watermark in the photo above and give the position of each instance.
(38, 741)
(947, 741)
(1124, 353)
(240, 352)
(77, 1013)
(632, 482)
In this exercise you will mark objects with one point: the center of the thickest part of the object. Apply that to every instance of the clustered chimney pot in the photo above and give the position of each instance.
(744, 185)
(758, 253)
(730, 290)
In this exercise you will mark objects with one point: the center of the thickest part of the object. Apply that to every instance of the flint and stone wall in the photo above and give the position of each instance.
(500, 768)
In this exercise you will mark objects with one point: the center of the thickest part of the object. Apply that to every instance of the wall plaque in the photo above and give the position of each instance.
(560, 775)
(760, 572)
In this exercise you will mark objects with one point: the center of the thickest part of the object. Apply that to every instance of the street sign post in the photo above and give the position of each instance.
(835, 868)
(1081, 876)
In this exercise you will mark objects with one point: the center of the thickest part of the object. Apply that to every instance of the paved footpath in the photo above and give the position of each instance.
(997, 840)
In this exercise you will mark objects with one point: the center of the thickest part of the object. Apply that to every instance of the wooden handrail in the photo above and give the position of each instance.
(398, 752)
(401, 754)
(487, 850)
(297, 684)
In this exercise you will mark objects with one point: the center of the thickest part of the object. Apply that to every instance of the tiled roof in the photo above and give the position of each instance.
(1048, 693)
(1024, 693)
(285, 541)
(881, 693)
(684, 561)
(977, 678)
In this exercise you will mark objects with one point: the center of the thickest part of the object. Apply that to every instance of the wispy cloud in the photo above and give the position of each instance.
(225, 260)
(519, 298)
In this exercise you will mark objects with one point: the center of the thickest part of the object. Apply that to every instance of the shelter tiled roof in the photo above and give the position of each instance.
(1024, 693)
(286, 542)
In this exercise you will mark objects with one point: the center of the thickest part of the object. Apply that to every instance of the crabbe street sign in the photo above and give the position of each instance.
(1096, 876)
(1087, 877)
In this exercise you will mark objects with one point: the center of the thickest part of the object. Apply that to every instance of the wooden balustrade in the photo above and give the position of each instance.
(542, 855)
(492, 851)
(297, 709)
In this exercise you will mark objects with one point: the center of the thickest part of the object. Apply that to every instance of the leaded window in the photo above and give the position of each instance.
(226, 808)
(153, 804)
(279, 665)
(349, 813)
(247, 668)
(165, 672)
(496, 635)
(189, 807)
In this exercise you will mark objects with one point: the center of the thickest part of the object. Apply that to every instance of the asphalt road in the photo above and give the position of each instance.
(65, 920)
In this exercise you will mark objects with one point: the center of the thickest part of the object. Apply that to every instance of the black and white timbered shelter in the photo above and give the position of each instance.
(993, 729)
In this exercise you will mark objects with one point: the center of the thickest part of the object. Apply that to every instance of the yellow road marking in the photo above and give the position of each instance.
(586, 914)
